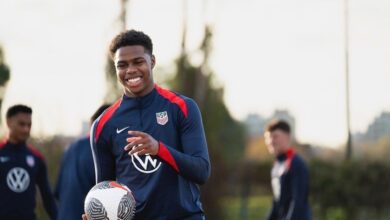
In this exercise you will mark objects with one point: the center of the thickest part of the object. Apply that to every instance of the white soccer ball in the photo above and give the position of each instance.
(109, 200)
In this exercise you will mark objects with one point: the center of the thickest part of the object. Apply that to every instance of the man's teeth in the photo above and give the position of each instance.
(134, 79)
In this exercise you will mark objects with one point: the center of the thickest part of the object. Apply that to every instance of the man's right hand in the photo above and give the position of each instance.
(84, 217)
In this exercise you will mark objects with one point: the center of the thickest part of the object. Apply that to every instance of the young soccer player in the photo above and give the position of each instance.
(289, 175)
(22, 168)
(151, 139)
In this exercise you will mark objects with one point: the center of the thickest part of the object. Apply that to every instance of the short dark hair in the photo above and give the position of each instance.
(131, 38)
(16, 109)
(278, 124)
(99, 111)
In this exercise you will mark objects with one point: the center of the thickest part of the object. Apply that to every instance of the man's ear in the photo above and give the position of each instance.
(153, 61)
(10, 123)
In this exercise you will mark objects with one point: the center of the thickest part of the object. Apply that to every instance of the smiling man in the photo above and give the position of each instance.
(151, 139)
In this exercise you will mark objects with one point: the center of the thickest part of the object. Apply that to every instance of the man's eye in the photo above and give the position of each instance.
(121, 66)
(138, 62)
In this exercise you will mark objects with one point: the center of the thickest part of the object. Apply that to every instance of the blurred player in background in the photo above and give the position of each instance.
(151, 139)
(289, 176)
(22, 167)
(77, 176)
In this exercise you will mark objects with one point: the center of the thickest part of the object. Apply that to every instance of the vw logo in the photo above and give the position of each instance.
(145, 164)
(18, 179)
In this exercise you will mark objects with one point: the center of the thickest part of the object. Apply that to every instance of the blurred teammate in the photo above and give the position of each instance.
(76, 177)
(22, 167)
(289, 176)
(151, 139)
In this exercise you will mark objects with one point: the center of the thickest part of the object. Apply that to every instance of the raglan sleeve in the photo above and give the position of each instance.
(104, 161)
(299, 186)
(272, 212)
(46, 193)
(59, 186)
(192, 161)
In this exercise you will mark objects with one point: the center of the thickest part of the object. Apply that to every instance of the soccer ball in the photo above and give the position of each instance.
(109, 200)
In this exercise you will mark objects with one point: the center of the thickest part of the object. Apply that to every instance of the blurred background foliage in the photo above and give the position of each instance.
(5, 74)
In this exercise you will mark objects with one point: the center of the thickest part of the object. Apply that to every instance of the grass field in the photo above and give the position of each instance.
(257, 208)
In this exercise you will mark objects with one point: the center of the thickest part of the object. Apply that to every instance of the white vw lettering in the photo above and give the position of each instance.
(144, 162)
(148, 159)
(18, 179)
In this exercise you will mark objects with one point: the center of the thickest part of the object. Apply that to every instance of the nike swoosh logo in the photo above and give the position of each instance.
(4, 159)
(119, 131)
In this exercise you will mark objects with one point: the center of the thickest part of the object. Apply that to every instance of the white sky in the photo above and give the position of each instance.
(269, 54)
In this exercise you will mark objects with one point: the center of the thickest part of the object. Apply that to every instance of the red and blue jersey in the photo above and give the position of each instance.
(22, 168)
(290, 186)
(165, 186)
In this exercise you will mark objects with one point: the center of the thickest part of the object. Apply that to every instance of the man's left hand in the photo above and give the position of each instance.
(141, 143)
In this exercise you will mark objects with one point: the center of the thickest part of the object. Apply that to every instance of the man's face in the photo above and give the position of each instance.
(19, 127)
(134, 69)
(277, 141)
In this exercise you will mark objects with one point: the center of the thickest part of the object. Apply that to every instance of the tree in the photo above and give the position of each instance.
(113, 88)
(114, 91)
(4, 76)
(225, 136)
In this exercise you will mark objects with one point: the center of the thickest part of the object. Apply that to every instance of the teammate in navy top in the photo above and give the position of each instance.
(289, 176)
(77, 176)
(151, 139)
(22, 168)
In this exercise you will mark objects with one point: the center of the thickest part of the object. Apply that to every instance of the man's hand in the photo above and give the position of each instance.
(141, 143)
(84, 216)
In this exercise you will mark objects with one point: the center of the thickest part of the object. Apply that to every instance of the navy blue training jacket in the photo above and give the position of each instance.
(165, 186)
(290, 185)
(76, 178)
(22, 168)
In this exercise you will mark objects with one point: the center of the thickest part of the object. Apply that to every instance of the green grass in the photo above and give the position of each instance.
(257, 208)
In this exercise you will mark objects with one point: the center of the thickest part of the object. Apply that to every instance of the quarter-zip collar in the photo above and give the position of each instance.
(13, 146)
(141, 102)
(287, 155)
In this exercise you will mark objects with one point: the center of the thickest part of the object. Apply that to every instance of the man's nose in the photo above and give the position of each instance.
(26, 128)
(131, 69)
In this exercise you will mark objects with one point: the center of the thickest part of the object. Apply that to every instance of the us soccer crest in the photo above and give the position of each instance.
(162, 117)
(30, 160)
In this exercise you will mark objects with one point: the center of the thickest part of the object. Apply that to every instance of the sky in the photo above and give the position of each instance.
(268, 55)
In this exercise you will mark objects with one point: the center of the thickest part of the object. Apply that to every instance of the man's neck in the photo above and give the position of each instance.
(144, 93)
(15, 141)
(289, 152)
(284, 151)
